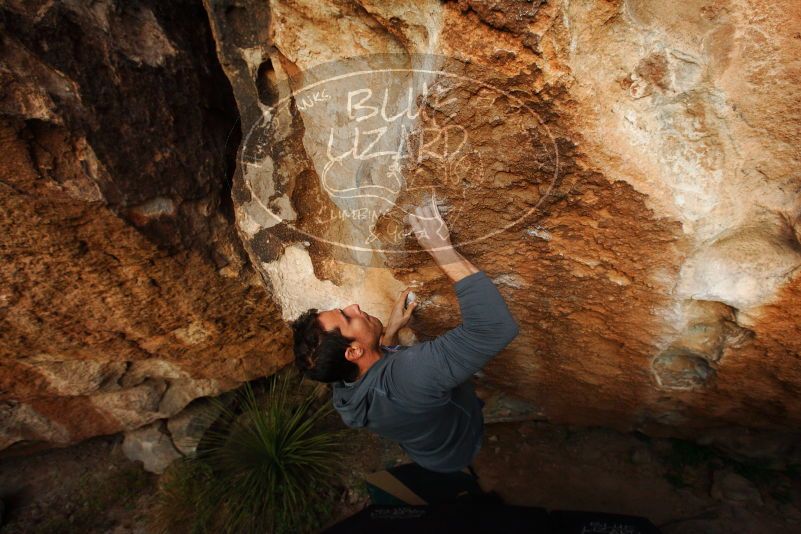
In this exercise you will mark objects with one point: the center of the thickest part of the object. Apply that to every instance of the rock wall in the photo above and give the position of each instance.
(625, 170)
(124, 291)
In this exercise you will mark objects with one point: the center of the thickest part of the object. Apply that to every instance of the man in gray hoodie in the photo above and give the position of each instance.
(419, 396)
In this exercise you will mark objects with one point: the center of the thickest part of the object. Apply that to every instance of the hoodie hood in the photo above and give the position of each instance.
(352, 399)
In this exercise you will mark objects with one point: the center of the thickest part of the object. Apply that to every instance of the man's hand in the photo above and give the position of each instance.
(433, 235)
(398, 318)
(430, 230)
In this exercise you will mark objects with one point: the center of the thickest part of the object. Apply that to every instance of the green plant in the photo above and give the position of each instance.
(265, 469)
(184, 502)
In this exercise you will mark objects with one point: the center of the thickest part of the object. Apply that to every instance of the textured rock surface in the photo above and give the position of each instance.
(186, 429)
(625, 170)
(729, 486)
(124, 292)
(150, 445)
(656, 278)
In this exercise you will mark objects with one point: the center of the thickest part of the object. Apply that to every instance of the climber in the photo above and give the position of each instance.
(419, 396)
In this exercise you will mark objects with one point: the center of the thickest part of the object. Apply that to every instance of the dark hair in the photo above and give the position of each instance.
(320, 354)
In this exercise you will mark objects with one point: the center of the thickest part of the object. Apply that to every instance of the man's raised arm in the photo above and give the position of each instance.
(487, 325)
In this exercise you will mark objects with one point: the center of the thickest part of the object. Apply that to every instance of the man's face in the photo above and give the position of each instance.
(353, 323)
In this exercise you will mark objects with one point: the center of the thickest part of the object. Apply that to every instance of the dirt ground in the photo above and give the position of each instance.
(669, 482)
(89, 487)
(92, 487)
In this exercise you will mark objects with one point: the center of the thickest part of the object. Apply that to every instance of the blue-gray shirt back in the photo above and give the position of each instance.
(421, 396)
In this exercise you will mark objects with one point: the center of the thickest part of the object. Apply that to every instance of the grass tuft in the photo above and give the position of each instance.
(266, 469)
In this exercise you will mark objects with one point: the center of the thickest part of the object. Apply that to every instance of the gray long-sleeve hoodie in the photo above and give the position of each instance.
(421, 396)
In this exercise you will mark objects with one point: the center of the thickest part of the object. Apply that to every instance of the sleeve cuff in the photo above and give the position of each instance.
(468, 280)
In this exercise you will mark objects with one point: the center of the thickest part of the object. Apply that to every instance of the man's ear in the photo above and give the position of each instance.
(353, 352)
